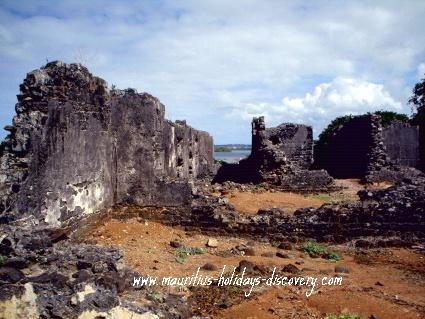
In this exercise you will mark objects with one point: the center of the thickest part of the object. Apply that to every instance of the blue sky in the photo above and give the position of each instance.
(219, 63)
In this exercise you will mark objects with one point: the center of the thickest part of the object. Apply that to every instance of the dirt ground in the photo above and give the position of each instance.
(250, 203)
(386, 283)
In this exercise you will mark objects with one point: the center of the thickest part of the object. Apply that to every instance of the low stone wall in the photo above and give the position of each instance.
(397, 212)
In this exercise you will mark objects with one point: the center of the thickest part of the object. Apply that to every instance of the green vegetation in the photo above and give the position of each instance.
(183, 252)
(388, 117)
(232, 290)
(179, 260)
(274, 243)
(323, 197)
(417, 101)
(334, 257)
(326, 133)
(342, 316)
(1, 260)
(313, 248)
(222, 149)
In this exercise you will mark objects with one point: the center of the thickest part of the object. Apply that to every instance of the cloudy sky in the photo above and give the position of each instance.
(219, 63)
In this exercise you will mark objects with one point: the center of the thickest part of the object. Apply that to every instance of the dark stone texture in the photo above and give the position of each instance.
(75, 148)
(363, 148)
(280, 156)
(401, 141)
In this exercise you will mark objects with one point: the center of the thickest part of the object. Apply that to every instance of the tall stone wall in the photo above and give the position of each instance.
(401, 141)
(363, 148)
(75, 147)
(346, 152)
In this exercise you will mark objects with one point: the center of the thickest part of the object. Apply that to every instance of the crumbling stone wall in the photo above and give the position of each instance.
(401, 141)
(357, 149)
(75, 147)
(280, 156)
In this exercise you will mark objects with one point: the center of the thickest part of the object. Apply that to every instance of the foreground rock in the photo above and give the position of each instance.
(69, 280)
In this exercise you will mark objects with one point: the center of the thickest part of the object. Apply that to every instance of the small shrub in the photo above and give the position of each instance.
(334, 257)
(179, 260)
(232, 290)
(313, 248)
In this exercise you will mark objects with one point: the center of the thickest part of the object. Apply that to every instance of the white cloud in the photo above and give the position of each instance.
(328, 100)
(201, 58)
(421, 71)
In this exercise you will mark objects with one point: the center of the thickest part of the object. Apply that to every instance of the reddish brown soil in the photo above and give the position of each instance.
(388, 283)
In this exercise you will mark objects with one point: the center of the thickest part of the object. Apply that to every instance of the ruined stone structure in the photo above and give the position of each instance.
(75, 147)
(363, 148)
(401, 141)
(280, 156)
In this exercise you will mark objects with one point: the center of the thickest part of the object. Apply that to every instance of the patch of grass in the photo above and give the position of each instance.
(179, 260)
(183, 252)
(1, 260)
(274, 243)
(334, 257)
(322, 197)
(232, 290)
(313, 248)
(342, 316)
(189, 251)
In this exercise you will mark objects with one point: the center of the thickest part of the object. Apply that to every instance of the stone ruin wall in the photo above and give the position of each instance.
(363, 148)
(291, 143)
(401, 141)
(281, 156)
(75, 147)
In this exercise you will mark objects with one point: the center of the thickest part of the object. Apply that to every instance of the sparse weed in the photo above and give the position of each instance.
(183, 252)
(334, 257)
(232, 290)
(179, 260)
(189, 251)
(274, 243)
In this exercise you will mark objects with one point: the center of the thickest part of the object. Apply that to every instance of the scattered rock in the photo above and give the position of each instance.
(285, 245)
(10, 275)
(268, 254)
(291, 269)
(341, 269)
(212, 242)
(249, 251)
(209, 267)
(175, 244)
(281, 254)
(249, 266)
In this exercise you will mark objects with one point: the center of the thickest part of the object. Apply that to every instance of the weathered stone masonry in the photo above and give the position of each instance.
(363, 148)
(280, 156)
(75, 147)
